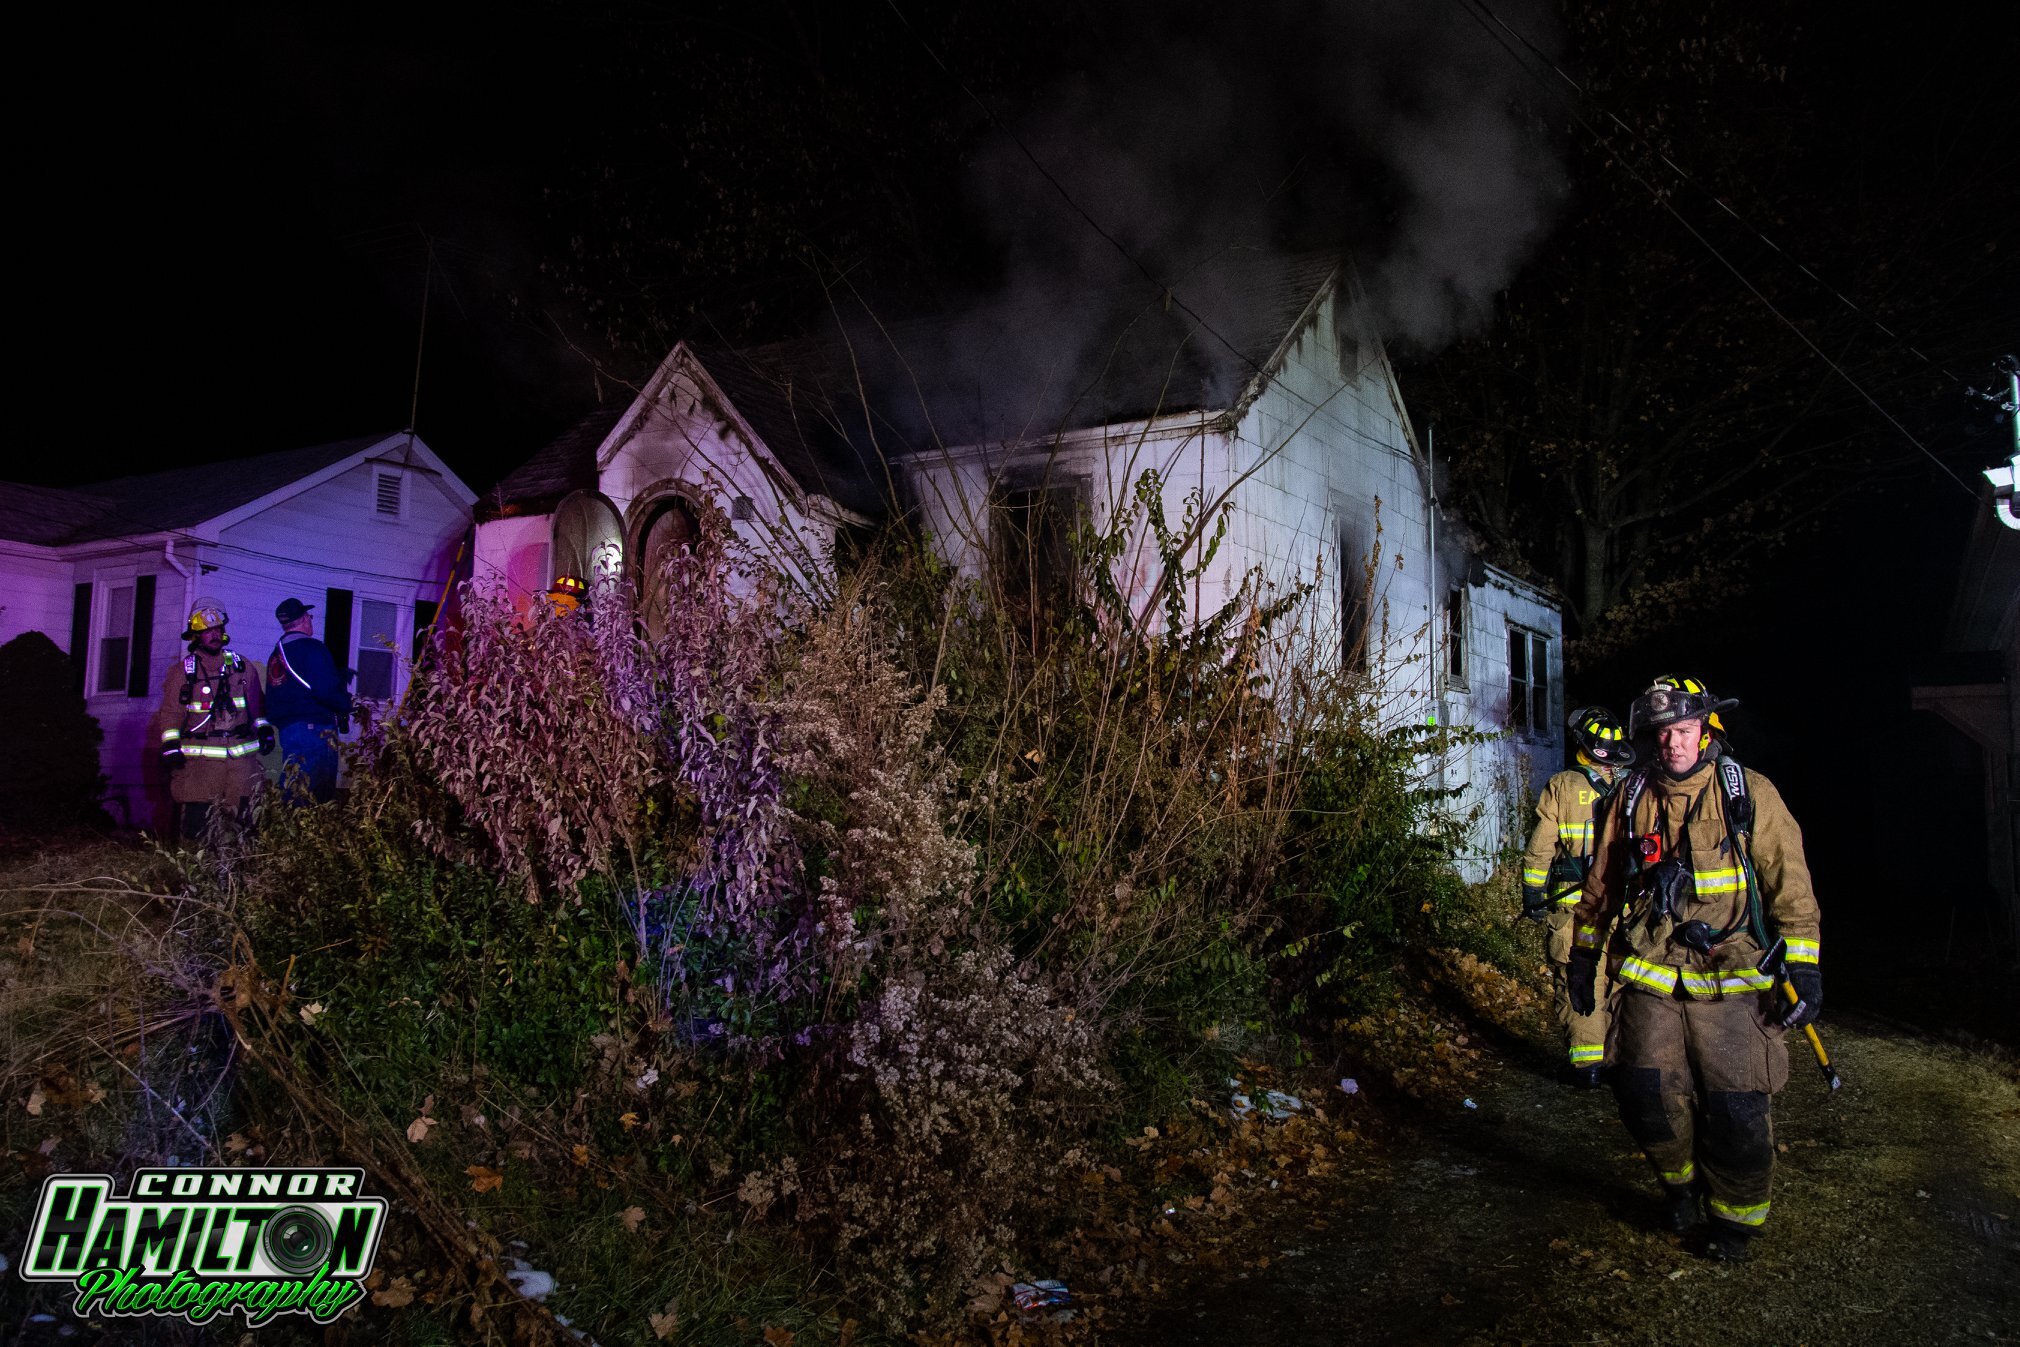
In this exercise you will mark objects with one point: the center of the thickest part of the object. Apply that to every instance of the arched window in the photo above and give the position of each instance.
(669, 527)
(588, 539)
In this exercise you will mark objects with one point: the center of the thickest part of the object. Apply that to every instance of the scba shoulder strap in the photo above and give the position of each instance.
(1738, 804)
(1631, 791)
(1738, 812)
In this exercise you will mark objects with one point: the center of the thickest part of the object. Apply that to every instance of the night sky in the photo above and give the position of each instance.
(228, 216)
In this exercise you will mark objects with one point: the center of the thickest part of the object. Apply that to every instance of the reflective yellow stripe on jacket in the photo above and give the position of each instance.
(1698, 986)
(244, 750)
(1729, 879)
(1802, 951)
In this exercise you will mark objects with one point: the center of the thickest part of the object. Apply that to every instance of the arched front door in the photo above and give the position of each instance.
(670, 527)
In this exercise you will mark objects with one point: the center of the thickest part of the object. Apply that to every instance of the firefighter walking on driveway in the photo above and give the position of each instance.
(1555, 866)
(1701, 866)
(210, 724)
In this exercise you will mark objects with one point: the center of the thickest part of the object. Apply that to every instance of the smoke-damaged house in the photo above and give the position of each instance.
(1254, 384)
(367, 530)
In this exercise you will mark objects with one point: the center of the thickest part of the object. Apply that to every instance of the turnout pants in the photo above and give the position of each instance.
(1584, 1035)
(1695, 1081)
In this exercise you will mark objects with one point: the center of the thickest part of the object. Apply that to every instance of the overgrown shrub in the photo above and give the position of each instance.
(855, 915)
(52, 779)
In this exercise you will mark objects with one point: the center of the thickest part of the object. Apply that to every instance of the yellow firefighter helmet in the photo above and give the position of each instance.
(205, 615)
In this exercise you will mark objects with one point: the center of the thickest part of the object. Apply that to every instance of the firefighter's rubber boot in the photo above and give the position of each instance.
(1679, 1209)
(1583, 1077)
(1728, 1243)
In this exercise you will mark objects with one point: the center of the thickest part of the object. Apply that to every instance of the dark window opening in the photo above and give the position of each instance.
(1034, 560)
(1528, 682)
(1357, 600)
(1455, 636)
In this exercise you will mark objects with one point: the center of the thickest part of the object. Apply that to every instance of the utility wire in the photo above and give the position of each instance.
(1662, 200)
(1718, 200)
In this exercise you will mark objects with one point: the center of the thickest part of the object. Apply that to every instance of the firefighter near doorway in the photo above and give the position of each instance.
(1698, 881)
(1554, 869)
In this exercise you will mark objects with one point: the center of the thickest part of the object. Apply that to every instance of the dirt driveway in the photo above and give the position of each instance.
(1527, 1220)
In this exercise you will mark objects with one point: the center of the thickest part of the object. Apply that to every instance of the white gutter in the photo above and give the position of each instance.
(188, 576)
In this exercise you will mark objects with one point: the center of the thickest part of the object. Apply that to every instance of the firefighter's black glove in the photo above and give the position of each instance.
(269, 737)
(1809, 985)
(1584, 980)
(1535, 903)
(171, 758)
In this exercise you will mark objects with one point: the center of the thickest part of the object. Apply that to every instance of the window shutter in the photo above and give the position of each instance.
(424, 622)
(337, 625)
(80, 632)
(140, 661)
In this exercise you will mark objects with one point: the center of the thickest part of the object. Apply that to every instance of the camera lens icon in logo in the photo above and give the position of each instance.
(297, 1240)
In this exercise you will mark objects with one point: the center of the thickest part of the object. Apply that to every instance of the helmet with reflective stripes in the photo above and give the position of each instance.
(1665, 703)
(1688, 683)
(1601, 737)
(205, 615)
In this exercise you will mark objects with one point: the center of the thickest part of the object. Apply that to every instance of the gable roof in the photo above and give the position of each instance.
(1120, 353)
(183, 498)
(832, 409)
(567, 463)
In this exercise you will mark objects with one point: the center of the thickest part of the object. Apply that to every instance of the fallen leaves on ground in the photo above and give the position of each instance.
(483, 1178)
(632, 1217)
(401, 1292)
(666, 1321)
(417, 1130)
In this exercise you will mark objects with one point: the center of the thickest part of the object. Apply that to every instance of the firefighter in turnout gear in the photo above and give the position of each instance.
(1554, 869)
(1699, 875)
(210, 724)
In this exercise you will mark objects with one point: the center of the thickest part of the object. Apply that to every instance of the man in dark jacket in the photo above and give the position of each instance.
(308, 698)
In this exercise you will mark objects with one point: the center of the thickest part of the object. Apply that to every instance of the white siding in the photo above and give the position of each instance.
(683, 438)
(37, 595)
(1323, 444)
(512, 554)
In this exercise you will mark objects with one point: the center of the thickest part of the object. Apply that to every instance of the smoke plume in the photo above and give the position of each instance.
(1396, 131)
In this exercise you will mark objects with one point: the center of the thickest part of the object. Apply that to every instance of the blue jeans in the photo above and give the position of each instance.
(303, 743)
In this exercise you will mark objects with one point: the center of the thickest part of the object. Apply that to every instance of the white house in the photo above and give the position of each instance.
(1257, 385)
(1283, 408)
(368, 530)
(622, 485)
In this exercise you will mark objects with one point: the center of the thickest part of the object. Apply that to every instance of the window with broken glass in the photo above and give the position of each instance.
(1528, 682)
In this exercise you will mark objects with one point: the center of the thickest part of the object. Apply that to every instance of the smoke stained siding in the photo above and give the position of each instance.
(1321, 453)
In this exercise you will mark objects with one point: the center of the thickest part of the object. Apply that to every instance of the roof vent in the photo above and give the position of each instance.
(743, 508)
(388, 500)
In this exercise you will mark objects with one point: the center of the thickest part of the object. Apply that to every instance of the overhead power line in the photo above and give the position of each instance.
(1480, 12)
(1717, 200)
